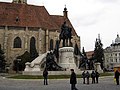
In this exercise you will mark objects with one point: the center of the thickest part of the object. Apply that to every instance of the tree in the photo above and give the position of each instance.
(2, 60)
(99, 52)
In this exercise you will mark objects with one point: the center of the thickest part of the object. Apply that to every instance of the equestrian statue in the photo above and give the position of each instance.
(65, 35)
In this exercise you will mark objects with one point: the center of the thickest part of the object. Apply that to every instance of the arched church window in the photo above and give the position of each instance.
(51, 44)
(32, 41)
(17, 43)
(33, 50)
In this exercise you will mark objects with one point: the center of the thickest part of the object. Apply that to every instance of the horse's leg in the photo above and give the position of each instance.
(66, 42)
(63, 42)
(59, 41)
(70, 43)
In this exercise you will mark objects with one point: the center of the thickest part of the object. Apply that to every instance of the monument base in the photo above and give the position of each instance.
(66, 58)
(98, 67)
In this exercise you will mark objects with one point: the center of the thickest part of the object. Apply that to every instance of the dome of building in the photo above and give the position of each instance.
(117, 40)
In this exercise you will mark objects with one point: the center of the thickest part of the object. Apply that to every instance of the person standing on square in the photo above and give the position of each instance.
(83, 76)
(87, 76)
(93, 77)
(97, 76)
(117, 76)
(45, 75)
(73, 80)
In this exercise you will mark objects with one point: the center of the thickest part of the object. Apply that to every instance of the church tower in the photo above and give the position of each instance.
(65, 12)
(20, 1)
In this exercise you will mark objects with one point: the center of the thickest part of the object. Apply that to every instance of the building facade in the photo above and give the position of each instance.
(22, 24)
(112, 54)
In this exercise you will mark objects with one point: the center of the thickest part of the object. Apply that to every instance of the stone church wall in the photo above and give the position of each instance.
(8, 34)
(42, 38)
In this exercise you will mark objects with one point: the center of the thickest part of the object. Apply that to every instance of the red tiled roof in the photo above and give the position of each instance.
(23, 15)
(59, 21)
(27, 15)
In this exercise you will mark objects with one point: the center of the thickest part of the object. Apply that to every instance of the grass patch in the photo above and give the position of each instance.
(26, 77)
(106, 74)
(39, 77)
(52, 76)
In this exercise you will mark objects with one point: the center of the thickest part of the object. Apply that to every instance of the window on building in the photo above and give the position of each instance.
(116, 60)
(111, 54)
(32, 43)
(33, 50)
(107, 60)
(51, 44)
(111, 60)
(17, 43)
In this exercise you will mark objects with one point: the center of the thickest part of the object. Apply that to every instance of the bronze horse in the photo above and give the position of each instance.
(65, 35)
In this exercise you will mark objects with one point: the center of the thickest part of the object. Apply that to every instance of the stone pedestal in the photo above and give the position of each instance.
(66, 58)
(27, 68)
(98, 67)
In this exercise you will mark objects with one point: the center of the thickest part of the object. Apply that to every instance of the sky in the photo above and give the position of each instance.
(88, 17)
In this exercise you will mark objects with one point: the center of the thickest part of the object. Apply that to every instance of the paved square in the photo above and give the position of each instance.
(105, 83)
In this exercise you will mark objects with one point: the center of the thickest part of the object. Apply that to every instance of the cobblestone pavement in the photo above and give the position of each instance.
(105, 83)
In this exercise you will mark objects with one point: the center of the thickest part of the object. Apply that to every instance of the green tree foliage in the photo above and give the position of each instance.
(99, 52)
(2, 60)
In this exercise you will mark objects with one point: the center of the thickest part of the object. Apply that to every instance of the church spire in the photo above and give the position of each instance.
(65, 12)
(20, 1)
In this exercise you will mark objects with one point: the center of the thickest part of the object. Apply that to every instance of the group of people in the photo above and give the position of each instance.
(73, 79)
(86, 76)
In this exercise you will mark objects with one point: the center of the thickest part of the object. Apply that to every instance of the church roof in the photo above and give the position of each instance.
(24, 15)
(12, 14)
(59, 21)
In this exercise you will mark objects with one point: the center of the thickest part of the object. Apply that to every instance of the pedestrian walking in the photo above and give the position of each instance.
(73, 80)
(45, 75)
(97, 76)
(83, 76)
(87, 76)
(93, 77)
(117, 76)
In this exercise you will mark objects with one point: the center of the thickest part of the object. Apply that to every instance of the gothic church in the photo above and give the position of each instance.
(22, 24)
